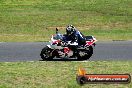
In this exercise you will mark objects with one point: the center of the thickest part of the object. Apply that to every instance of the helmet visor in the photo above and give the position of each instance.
(69, 31)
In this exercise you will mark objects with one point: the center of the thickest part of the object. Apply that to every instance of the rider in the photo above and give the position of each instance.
(73, 35)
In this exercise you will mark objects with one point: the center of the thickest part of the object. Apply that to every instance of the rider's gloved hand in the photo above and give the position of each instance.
(64, 43)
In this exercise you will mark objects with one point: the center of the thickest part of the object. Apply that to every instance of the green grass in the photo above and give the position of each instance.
(32, 20)
(58, 74)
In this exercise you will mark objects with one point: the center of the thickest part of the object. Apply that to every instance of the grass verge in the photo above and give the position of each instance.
(23, 21)
(58, 74)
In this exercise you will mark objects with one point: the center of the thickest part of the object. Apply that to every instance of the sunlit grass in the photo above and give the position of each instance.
(58, 74)
(100, 18)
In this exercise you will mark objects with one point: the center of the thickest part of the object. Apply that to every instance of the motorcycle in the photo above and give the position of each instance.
(67, 49)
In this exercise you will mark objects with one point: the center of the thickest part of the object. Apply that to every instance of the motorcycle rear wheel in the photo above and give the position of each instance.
(88, 55)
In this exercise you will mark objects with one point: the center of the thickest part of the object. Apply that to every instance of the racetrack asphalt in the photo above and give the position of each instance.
(30, 51)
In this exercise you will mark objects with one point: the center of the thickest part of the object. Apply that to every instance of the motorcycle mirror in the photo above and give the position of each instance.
(56, 30)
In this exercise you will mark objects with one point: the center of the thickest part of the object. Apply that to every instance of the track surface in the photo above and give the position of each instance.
(117, 50)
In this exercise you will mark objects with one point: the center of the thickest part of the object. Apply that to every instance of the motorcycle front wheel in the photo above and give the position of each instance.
(46, 53)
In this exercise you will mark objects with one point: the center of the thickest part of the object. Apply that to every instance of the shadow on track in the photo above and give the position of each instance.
(63, 60)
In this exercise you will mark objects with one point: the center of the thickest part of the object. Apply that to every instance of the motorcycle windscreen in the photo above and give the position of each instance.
(58, 36)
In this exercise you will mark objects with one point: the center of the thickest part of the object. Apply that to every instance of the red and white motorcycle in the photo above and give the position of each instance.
(68, 50)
